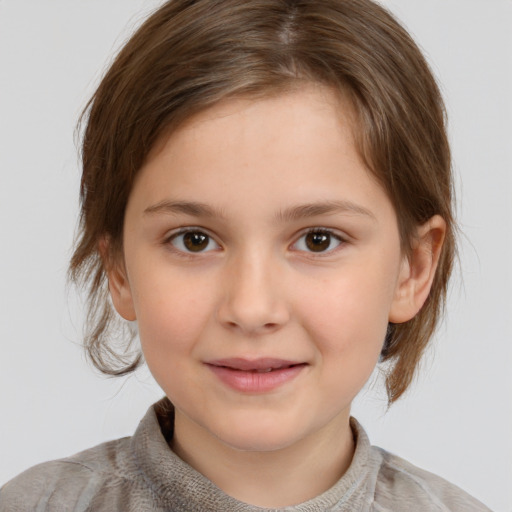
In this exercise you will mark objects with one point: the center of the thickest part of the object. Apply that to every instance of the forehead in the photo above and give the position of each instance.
(295, 147)
(295, 98)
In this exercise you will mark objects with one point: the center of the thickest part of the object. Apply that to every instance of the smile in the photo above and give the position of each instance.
(255, 376)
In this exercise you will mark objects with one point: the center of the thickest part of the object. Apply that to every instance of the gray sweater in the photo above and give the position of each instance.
(142, 474)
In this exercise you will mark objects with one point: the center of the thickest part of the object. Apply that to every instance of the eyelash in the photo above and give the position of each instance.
(316, 231)
(323, 231)
(184, 231)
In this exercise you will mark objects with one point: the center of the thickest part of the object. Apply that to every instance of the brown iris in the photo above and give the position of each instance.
(195, 241)
(318, 241)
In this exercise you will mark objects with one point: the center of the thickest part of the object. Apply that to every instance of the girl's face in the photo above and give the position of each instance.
(262, 263)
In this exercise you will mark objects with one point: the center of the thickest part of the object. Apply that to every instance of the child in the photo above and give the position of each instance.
(266, 190)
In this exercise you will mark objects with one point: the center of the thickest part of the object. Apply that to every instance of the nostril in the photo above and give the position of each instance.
(259, 317)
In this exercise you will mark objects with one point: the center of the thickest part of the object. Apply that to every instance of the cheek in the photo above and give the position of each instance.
(171, 313)
(348, 336)
(347, 314)
(171, 320)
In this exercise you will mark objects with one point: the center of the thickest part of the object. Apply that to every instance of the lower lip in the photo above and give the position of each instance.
(256, 382)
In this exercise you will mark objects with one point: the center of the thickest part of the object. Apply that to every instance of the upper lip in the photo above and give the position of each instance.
(263, 363)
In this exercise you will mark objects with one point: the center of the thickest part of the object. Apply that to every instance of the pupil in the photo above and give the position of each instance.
(318, 242)
(195, 241)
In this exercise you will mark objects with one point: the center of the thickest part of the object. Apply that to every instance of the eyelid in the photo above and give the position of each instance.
(334, 233)
(170, 236)
(340, 237)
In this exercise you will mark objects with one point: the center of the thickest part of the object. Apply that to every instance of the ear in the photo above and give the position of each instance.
(118, 283)
(418, 270)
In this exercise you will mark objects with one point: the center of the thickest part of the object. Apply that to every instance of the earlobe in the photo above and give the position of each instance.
(418, 270)
(118, 283)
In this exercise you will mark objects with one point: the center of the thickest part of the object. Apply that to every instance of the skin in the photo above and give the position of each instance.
(258, 290)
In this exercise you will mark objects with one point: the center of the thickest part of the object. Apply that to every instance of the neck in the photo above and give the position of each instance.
(270, 479)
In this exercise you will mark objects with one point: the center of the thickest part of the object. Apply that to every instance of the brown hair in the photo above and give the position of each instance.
(190, 54)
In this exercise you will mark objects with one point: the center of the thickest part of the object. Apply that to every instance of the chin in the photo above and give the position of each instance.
(258, 436)
(264, 442)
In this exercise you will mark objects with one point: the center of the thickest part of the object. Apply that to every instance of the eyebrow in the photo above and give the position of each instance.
(293, 213)
(191, 208)
(304, 211)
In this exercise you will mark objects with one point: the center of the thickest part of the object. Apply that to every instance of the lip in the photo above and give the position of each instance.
(257, 375)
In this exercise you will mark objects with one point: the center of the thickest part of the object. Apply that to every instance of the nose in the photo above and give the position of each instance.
(253, 296)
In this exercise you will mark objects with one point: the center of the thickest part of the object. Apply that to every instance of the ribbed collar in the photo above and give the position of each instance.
(182, 488)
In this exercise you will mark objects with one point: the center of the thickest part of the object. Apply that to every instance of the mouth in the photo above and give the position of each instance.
(263, 365)
(257, 375)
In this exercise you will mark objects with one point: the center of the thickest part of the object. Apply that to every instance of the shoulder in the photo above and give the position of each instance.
(70, 483)
(399, 481)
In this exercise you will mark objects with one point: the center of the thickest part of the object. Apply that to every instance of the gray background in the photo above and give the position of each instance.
(457, 419)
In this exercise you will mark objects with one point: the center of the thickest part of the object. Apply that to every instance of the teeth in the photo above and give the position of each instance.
(264, 371)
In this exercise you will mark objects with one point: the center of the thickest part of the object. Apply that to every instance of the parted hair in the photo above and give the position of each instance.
(191, 54)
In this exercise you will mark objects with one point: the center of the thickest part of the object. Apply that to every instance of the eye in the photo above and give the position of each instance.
(318, 240)
(193, 241)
